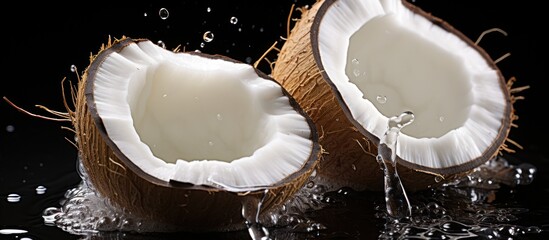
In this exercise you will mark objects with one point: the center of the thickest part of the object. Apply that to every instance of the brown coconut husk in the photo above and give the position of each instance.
(351, 150)
(184, 206)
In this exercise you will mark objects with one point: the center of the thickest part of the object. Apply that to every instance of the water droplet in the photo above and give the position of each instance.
(10, 128)
(234, 20)
(8, 231)
(310, 184)
(164, 95)
(161, 44)
(13, 197)
(144, 14)
(40, 190)
(209, 9)
(73, 68)
(202, 44)
(353, 166)
(248, 60)
(381, 99)
(356, 72)
(26, 238)
(355, 61)
(208, 36)
(219, 117)
(441, 119)
(240, 29)
(261, 29)
(163, 13)
(210, 143)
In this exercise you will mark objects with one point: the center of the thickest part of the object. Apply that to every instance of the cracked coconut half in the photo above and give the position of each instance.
(183, 137)
(353, 64)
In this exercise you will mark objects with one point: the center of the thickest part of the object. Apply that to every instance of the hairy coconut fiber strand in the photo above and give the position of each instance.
(350, 144)
(182, 205)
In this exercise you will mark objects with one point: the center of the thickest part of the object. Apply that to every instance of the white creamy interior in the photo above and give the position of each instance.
(385, 60)
(193, 119)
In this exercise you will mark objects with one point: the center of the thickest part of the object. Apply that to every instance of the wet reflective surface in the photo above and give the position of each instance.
(39, 178)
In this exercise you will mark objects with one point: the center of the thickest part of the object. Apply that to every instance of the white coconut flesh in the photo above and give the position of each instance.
(385, 59)
(200, 120)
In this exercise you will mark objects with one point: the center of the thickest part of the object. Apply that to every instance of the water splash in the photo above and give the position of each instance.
(251, 207)
(397, 202)
(465, 208)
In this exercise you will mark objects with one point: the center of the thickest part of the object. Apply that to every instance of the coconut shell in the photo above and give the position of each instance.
(351, 151)
(184, 206)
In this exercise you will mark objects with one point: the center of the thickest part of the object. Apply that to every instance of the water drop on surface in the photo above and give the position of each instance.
(209, 9)
(161, 44)
(202, 44)
(219, 117)
(210, 143)
(208, 36)
(248, 60)
(73, 68)
(144, 14)
(234, 20)
(355, 61)
(356, 72)
(441, 119)
(14, 197)
(164, 95)
(381, 99)
(10, 128)
(41, 190)
(163, 13)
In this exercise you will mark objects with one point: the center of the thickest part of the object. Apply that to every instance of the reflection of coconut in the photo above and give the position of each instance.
(353, 64)
(162, 134)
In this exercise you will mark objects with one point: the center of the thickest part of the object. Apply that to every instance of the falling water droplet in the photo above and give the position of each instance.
(163, 13)
(202, 45)
(234, 20)
(381, 99)
(219, 117)
(10, 128)
(73, 68)
(144, 14)
(209, 9)
(208, 36)
(40, 190)
(13, 197)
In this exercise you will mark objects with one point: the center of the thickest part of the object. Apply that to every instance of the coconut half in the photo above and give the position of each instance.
(353, 64)
(182, 137)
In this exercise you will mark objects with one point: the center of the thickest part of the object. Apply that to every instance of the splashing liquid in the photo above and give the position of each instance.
(398, 205)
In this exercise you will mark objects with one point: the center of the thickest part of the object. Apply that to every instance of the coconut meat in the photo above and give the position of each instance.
(199, 120)
(384, 59)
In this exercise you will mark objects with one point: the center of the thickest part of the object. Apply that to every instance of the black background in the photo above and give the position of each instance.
(40, 42)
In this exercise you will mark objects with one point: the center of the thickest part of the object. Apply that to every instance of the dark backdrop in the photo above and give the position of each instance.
(40, 42)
